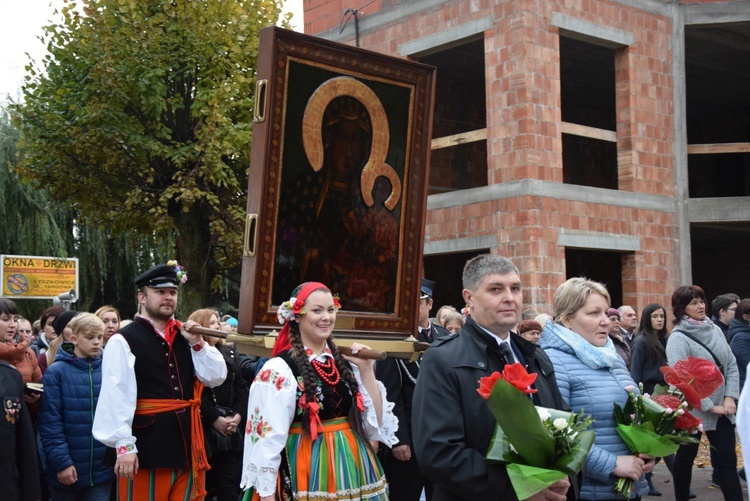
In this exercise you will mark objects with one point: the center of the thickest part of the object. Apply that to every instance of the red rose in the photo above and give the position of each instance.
(487, 383)
(279, 381)
(517, 375)
(297, 306)
(265, 375)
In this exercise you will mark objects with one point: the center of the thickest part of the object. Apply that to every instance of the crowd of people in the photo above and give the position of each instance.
(100, 408)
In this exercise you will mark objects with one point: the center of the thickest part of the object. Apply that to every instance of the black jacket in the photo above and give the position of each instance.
(399, 377)
(19, 471)
(453, 425)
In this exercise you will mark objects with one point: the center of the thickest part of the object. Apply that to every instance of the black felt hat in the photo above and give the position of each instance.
(161, 275)
(428, 287)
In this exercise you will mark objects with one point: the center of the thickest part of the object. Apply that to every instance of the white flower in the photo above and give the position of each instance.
(543, 413)
(285, 312)
(700, 427)
(560, 423)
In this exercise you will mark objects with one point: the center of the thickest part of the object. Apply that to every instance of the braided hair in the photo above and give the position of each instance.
(310, 380)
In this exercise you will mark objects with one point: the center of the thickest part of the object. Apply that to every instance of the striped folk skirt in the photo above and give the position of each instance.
(338, 465)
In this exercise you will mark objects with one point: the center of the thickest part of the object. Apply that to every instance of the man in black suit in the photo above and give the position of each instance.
(400, 377)
(452, 424)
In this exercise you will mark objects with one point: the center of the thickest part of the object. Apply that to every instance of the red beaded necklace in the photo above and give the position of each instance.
(327, 371)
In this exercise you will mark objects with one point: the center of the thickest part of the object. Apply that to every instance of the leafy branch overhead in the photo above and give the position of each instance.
(142, 119)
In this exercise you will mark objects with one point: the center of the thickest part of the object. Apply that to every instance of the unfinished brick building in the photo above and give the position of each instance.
(605, 138)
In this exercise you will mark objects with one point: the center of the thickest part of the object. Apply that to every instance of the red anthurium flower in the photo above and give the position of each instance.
(668, 401)
(706, 377)
(517, 375)
(695, 377)
(686, 422)
(487, 383)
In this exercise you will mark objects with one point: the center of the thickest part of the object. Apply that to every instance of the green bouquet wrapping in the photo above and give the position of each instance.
(656, 425)
(539, 446)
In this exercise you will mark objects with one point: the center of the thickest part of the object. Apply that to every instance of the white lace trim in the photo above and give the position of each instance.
(264, 482)
(369, 491)
(386, 431)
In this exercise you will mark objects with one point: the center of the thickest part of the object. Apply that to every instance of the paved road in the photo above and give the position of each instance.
(701, 485)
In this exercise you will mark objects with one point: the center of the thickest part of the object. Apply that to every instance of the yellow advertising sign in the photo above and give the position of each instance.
(37, 277)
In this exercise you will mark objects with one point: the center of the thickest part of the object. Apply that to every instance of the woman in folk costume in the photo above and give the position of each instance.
(312, 412)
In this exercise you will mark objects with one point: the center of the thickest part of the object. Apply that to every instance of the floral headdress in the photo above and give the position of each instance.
(179, 270)
(292, 309)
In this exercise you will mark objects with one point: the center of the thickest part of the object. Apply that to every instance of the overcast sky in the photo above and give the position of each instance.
(21, 23)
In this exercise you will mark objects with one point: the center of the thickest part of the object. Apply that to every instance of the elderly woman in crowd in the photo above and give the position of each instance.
(591, 376)
(621, 346)
(695, 335)
(530, 330)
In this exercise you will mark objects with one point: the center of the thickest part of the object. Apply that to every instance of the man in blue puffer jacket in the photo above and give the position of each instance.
(75, 460)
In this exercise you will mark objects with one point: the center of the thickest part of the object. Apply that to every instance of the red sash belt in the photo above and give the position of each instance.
(199, 460)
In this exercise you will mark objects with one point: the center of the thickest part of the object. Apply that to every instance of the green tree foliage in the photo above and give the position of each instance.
(36, 226)
(141, 122)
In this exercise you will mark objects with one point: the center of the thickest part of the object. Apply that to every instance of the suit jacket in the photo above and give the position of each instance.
(453, 425)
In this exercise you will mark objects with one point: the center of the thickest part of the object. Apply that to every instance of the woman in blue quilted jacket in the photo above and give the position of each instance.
(75, 469)
(591, 376)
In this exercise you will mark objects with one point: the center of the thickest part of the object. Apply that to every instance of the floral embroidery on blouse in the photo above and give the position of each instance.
(273, 377)
(301, 391)
(256, 427)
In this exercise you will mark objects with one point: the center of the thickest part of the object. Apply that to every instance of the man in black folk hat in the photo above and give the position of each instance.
(150, 395)
(399, 377)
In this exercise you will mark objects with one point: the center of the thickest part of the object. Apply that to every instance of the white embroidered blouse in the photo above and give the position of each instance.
(271, 407)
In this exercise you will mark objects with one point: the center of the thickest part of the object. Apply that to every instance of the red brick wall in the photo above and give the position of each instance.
(524, 137)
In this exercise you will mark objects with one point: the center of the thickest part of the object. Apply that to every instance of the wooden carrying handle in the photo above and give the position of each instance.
(345, 350)
(364, 353)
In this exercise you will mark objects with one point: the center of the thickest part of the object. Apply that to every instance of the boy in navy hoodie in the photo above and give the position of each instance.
(75, 469)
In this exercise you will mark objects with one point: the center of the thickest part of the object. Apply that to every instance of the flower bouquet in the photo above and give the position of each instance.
(539, 446)
(657, 425)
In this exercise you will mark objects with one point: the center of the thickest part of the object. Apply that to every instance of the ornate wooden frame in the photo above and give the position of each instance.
(298, 77)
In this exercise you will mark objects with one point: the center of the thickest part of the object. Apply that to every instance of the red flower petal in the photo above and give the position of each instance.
(487, 383)
(297, 306)
(687, 422)
(668, 401)
(696, 378)
(517, 375)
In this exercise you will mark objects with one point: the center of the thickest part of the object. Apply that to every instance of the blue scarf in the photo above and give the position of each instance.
(596, 357)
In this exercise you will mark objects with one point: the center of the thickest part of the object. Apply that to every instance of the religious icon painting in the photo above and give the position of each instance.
(338, 182)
